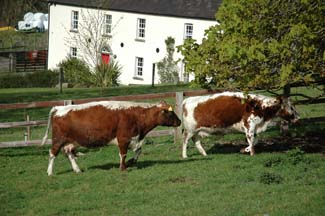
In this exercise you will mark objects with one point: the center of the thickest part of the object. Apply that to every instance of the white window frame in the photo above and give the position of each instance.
(141, 28)
(139, 66)
(188, 30)
(74, 20)
(108, 24)
(73, 52)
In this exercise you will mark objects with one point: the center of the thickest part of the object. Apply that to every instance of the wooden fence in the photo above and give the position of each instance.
(178, 109)
(23, 61)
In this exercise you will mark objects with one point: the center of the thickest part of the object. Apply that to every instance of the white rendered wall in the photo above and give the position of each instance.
(158, 28)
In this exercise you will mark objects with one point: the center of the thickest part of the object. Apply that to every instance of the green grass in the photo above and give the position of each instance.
(161, 183)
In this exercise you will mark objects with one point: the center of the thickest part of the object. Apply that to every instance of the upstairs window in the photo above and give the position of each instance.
(73, 51)
(188, 30)
(138, 67)
(141, 27)
(108, 24)
(74, 20)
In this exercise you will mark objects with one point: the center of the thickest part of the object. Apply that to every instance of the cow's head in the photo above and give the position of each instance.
(288, 111)
(166, 115)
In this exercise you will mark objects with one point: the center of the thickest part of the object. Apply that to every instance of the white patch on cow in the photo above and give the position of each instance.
(113, 105)
(239, 126)
(113, 142)
(135, 143)
(68, 148)
(262, 127)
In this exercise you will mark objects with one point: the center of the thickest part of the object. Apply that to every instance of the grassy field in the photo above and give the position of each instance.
(162, 183)
(279, 180)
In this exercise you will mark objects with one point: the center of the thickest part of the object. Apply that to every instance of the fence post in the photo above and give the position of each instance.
(28, 128)
(60, 79)
(67, 102)
(179, 112)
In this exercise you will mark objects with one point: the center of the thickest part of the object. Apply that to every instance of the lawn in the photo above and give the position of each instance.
(285, 178)
(162, 183)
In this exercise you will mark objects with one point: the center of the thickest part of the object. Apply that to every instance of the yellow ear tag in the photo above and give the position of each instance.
(170, 109)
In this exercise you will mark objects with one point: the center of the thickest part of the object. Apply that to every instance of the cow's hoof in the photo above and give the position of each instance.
(243, 151)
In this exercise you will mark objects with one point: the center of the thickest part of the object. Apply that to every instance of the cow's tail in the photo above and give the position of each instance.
(49, 123)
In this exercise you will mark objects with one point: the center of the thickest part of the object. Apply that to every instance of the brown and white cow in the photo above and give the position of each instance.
(227, 111)
(96, 124)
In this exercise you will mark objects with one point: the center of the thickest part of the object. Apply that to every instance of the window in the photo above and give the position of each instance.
(74, 20)
(188, 30)
(108, 24)
(73, 51)
(138, 66)
(141, 28)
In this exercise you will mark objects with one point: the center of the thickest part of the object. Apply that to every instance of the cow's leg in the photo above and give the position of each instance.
(69, 150)
(123, 148)
(51, 163)
(53, 152)
(137, 148)
(186, 137)
(198, 145)
(250, 136)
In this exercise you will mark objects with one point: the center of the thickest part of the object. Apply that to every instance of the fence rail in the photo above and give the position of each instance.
(177, 95)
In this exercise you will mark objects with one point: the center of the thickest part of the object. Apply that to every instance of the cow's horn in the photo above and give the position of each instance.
(170, 109)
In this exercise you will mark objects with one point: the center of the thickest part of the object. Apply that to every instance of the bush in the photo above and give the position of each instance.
(270, 178)
(45, 78)
(167, 67)
(273, 161)
(295, 156)
(107, 75)
(76, 72)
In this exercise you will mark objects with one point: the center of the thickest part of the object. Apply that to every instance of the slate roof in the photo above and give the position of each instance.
(198, 9)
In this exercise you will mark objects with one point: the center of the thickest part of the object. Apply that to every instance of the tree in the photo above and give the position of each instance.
(10, 13)
(260, 44)
(167, 68)
(90, 39)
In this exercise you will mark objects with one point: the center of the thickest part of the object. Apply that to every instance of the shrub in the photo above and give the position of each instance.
(167, 67)
(295, 156)
(274, 161)
(45, 78)
(76, 72)
(270, 178)
(107, 75)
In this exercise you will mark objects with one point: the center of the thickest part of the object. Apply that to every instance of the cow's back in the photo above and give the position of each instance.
(91, 127)
(218, 112)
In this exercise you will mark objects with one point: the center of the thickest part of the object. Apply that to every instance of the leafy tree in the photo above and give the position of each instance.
(167, 68)
(260, 44)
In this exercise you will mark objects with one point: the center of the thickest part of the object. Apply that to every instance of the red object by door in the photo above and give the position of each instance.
(105, 58)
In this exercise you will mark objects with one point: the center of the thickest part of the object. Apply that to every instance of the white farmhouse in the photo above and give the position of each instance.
(136, 31)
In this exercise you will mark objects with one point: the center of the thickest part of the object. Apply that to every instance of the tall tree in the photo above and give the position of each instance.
(260, 44)
(11, 11)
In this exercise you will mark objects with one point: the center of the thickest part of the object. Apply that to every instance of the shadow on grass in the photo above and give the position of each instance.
(311, 142)
(146, 164)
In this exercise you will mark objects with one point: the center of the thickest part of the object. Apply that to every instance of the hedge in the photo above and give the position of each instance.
(28, 80)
